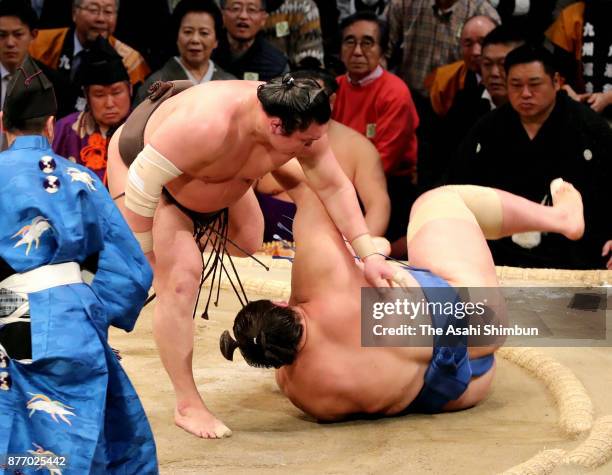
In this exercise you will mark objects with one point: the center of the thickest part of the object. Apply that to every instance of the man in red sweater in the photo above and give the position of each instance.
(378, 104)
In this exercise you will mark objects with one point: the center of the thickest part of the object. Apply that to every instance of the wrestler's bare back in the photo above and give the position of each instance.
(208, 132)
(333, 375)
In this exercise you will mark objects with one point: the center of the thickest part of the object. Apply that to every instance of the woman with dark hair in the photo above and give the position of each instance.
(197, 25)
(332, 364)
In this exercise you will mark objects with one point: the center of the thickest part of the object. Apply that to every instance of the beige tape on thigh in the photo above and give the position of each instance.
(147, 175)
(470, 202)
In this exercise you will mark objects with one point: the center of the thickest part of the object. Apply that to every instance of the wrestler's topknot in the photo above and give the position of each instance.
(297, 102)
(288, 80)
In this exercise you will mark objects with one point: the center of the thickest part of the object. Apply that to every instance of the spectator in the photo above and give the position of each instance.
(197, 25)
(83, 137)
(446, 80)
(469, 105)
(294, 27)
(423, 38)
(378, 104)
(243, 51)
(17, 30)
(60, 48)
(583, 29)
(495, 48)
(148, 37)
(541, 134)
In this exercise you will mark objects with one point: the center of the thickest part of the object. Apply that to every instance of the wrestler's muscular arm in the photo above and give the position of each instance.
(321, 258)
(371, 185)
(340, 200)
(174, 148)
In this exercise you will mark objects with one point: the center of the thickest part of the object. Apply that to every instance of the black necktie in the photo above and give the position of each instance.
(74, 66)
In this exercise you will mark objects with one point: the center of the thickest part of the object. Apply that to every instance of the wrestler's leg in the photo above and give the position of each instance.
(445, 236)
(246, 225)
(448, 227)
(178, 269)
(176, 285)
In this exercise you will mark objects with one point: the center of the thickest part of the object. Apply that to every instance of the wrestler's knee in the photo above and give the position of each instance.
(253, 244)
(249, 238)
(181, 280)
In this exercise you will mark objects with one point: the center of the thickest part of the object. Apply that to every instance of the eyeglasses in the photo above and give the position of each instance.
(95, 10)
(237, 8)
(366, 44)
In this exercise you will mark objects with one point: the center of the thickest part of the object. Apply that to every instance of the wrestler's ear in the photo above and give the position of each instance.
(276, 126)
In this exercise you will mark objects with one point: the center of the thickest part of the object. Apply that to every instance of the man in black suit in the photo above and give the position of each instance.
(18, 28)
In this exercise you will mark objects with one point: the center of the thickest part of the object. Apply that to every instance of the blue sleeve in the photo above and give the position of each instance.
(124, 275)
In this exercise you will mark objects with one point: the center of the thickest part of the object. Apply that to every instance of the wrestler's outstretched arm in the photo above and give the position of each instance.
(322, 261)
(338, 195)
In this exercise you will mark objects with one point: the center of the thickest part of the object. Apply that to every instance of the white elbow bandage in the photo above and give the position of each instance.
(145, 240)
(147, 175)
(364, 246)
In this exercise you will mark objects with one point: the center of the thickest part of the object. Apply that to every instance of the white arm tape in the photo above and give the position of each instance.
(364, 246)
(145, 240)
(147, 175)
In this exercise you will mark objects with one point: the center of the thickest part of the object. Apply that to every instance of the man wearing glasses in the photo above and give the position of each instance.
(59, 48)
(378, 105)
(243, 51)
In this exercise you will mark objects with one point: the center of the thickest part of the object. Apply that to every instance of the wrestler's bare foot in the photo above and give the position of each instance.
(200, 422)
(568, 201)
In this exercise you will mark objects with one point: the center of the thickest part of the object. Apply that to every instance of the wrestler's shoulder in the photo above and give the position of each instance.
(235, 87)
(344, 136)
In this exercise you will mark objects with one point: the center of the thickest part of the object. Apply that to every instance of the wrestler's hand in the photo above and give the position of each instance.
(377, 271)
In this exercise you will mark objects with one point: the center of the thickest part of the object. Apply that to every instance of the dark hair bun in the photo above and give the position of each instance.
(227, 345)
(288, 80)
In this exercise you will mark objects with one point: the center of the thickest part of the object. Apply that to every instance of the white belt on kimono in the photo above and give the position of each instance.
(44, 277)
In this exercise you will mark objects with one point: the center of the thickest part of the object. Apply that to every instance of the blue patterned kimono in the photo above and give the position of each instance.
(71, 398)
